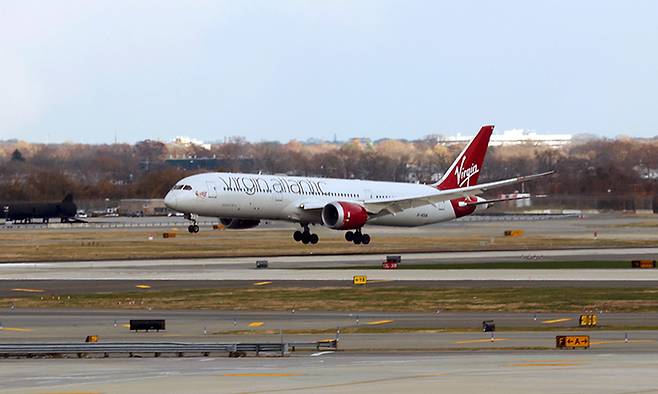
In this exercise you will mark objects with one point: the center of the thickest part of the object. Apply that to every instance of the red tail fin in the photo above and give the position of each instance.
(465, 170)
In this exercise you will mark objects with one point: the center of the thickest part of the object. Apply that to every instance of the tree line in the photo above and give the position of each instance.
(592, 167)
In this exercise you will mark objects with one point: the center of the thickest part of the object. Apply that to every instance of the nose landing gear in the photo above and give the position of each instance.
(305, 236)
(192, 228)
(357, 237)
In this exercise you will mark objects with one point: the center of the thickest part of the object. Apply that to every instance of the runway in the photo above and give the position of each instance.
(563, 371)
(285, 268)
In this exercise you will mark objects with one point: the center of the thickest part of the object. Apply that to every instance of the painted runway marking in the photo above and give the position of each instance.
(28, 290)
(250, 375)
(143, 286)
(378, 322)
(481, 340)
(262, 283)
(557, 320)
(15, 329)
(126, 325)
(321, 353)
(256, 324)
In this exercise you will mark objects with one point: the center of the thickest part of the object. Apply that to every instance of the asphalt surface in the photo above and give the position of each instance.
(284, 268)
(561, 372)
(47, 288)
(65, 323)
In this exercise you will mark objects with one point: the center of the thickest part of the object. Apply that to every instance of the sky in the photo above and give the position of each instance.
(99, 71)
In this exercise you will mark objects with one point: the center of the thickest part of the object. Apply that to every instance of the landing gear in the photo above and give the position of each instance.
(357, 237)
(192, 228)
(305, 236)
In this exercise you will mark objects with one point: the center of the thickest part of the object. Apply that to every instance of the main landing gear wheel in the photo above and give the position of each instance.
(357, 237)
(305, 237)
(193, 228)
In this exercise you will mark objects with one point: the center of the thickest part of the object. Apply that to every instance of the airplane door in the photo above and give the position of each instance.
(367, 194)
(212, 189)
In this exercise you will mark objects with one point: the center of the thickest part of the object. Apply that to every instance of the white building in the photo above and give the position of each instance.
(188, 141)
(514, 137)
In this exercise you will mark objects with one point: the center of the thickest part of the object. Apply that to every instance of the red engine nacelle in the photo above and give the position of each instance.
(344, 215)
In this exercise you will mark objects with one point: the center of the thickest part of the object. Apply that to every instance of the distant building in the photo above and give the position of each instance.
(188, 141)
(646, 172)
(206, 163)
(511, 137)
(142, 207)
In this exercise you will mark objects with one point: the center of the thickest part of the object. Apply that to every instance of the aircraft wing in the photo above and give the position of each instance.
(393, 206)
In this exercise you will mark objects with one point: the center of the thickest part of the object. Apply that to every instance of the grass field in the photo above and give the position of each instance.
(95, 244)
(403, 299)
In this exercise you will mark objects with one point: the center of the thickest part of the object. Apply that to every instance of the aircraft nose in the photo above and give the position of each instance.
(170, 200)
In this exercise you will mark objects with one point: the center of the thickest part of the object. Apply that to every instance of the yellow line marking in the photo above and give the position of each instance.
(126, 325)
(380, 280)
(557, 320)
(378, 322)
(143, 286)
(262, 283)
(481, 340)
(261, 374)
(28, 290)
(256, 324)
(545, 365)
(15, 329)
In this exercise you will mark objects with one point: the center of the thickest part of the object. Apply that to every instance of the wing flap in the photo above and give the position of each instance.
(392, 206)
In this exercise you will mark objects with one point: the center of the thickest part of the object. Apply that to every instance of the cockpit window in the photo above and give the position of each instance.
(178, 187)
(187, 187)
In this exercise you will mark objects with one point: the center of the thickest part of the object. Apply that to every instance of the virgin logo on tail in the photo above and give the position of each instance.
(464, 175)
(465, 170)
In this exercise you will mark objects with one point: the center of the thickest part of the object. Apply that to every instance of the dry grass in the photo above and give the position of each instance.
(92, 244)
(407, 299)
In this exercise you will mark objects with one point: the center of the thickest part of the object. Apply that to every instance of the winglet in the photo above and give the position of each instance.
(465, 170)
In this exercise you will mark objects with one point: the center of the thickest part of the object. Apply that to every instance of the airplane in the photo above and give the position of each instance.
(65, 210)
(243, 200)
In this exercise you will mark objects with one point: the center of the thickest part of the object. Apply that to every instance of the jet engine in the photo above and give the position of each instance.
(344, 215)
(235, 224)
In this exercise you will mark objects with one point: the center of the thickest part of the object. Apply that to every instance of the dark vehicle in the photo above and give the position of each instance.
(146, 325)
(24, 212)
(391, 262)
(488, 326)
(261, 264)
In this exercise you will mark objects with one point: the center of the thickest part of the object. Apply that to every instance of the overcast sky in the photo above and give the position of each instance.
(86, 71)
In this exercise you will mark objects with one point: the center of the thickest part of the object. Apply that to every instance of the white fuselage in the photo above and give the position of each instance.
(270, 197)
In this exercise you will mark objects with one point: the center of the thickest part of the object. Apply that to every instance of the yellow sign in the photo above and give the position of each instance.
(360, 280)
(588, 320)
(513, 233)
(572, 341)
